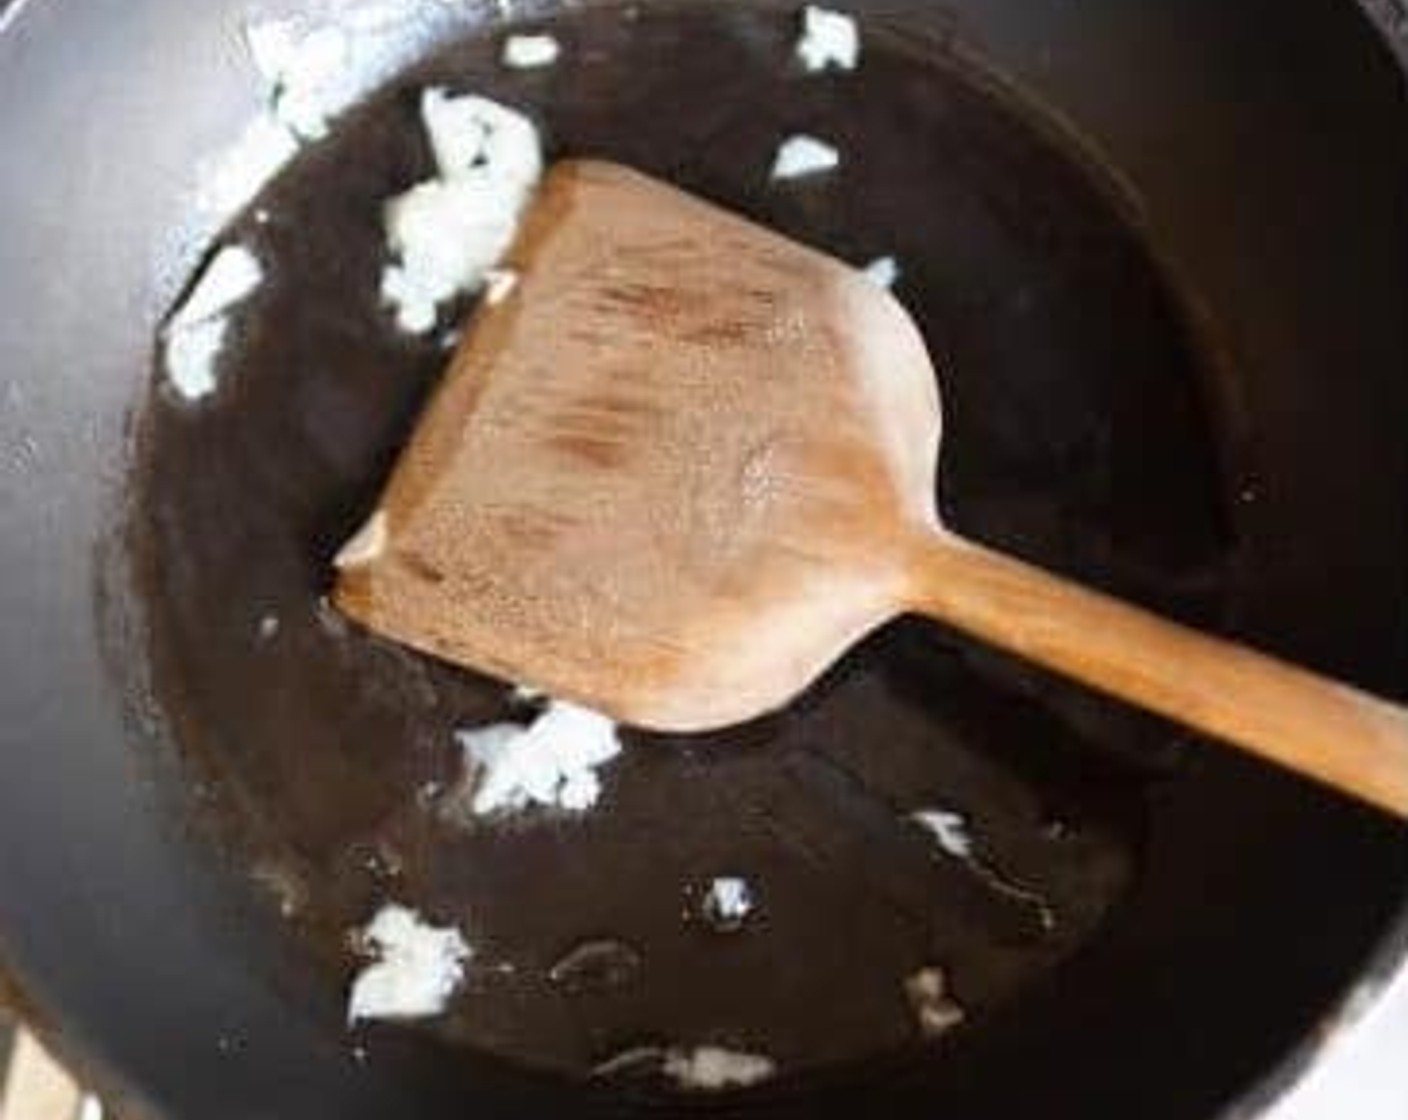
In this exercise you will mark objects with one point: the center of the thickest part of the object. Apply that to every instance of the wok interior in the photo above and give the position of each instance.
(1143, 425)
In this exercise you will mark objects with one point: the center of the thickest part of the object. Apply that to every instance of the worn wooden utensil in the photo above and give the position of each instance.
(687, 462)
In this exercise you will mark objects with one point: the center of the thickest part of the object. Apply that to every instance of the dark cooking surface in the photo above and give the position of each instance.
(1264, 143)
(1075, 435)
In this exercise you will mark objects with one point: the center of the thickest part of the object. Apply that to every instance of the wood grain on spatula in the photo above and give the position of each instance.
(688, 462)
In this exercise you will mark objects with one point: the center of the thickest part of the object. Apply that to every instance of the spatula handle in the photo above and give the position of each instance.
(1325, 730)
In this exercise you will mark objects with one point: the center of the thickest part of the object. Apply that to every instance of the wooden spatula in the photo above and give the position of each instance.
(687, 462)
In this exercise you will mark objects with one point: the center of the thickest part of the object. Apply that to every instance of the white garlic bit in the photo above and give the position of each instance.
(498, 284)
(801, 156)
(728, 901)
(949, 830)
(418, 968)
(934, 1008)
(552, 762)
(365, 545)
(529, 52)
(829, 40)
(302, 69)
(714, 1068)
(195, 334)
(446, 233)
(230, 178)
(883, 272)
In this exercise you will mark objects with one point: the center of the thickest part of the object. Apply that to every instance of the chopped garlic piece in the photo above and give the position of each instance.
(231, 276)
(935, 1010)
(552, 762)
(302, 72)
(314, 66)
(446, 233)
(191, 357)
(470, 133)
(711, 1068)
(949, 830)
(883, 272)
(418, 969)
(365, 545)
(195, 334)
(828, 39)
(498, 283)
(231, 178)
(728, 902)
(413, 299)
(802, 155)
(527, 52)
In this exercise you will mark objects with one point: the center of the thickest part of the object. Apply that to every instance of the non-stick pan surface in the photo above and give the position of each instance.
(1261, 149)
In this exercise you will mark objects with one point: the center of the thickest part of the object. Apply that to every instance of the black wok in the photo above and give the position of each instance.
(1255, 150)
